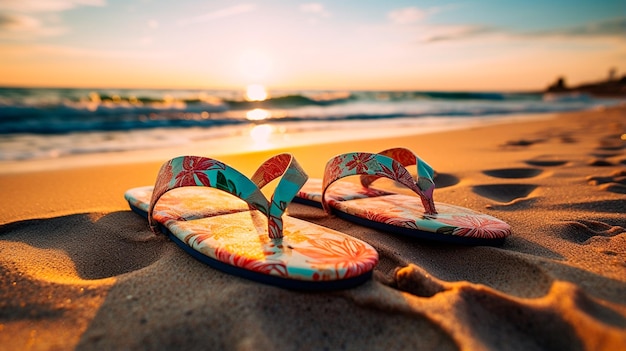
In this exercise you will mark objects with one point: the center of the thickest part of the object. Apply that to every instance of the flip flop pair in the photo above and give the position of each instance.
(221, 217)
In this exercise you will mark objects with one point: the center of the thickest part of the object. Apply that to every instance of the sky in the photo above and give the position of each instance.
(476, 45)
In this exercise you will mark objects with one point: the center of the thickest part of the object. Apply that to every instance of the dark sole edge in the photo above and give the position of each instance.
(419, 234)
(307, 202)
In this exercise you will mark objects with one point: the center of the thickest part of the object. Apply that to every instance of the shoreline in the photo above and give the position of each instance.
(265, 137)
(81, 271)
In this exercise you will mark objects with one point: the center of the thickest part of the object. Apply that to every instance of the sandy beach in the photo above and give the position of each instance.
(81, 271)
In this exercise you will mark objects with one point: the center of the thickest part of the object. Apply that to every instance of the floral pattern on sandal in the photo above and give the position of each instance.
(417, 216)
(222, 218)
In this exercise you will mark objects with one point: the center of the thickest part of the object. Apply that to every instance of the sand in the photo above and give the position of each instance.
(80, 271)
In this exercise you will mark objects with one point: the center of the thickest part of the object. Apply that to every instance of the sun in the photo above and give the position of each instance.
(256, 92)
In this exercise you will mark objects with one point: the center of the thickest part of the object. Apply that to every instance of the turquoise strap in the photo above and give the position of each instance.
(201, 171)
(292, 179)
(406, 158)
(376, 166)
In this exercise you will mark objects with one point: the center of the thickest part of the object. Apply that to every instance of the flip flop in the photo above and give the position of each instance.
(416, 216)
(221, 217)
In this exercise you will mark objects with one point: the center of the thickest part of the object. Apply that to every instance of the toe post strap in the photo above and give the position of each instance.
(292, 178)
(186, 171)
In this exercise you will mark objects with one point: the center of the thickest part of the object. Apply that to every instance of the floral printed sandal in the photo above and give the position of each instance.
(415, 216)
(222, 218)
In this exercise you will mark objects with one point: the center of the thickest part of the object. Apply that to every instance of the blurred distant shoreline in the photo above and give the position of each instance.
(611, 87)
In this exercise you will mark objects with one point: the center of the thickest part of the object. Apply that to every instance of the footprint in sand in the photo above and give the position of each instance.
(564, 138)
(443, 180)
(79, 248)
(580, 231)
(517, 173)
(614, 182)
(505, 193)
(605, 154)
(598, 162)
(610, 146)
(522, 142)
(488, 268)
(602, 159)
(546, 161)
(614, 142)
(508, 194)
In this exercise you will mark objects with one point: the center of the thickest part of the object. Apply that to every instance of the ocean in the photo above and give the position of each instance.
(48, 123)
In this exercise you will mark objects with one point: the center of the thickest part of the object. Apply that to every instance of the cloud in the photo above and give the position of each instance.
(24, 19)
(448, 33)
(221, 13)
(614, 27)
(610, 28)
(20, 26)
(407, 15)
(315, 9)
(33, 6)
(17, 22)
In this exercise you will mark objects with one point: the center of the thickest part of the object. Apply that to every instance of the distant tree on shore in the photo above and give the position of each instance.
(558, 86)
